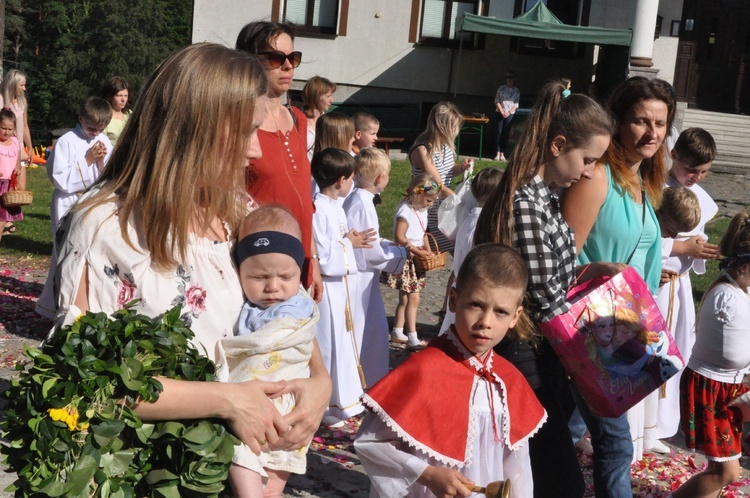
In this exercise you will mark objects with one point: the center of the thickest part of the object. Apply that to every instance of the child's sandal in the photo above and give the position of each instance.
(416, 347)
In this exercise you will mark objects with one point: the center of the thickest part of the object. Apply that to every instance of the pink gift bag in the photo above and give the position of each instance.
(614, 343)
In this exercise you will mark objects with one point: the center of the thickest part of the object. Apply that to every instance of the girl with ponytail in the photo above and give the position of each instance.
(564, 138)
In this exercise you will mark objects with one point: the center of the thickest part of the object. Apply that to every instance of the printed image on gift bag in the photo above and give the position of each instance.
(614, 343)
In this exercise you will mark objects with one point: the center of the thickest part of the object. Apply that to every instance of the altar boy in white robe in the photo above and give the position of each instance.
(692, 157)
(78, 157)
(371, 174)
(75, 163)
(332, 170)
(456, 415)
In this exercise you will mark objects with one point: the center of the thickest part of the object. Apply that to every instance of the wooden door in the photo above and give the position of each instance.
(686, 73)
(720, 30)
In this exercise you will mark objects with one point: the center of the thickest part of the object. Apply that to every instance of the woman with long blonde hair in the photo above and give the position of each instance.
(13, 96)
(159, 225)
(434, 153)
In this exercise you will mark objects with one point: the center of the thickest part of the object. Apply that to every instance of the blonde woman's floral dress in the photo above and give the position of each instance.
(205, 284)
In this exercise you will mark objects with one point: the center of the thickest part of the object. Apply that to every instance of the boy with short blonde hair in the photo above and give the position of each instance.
(366, 127)
(679, 211)
(78, 157)
(371, 175)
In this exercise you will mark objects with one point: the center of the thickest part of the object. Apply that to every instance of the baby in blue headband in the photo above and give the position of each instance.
(269, 256)
(275, 335)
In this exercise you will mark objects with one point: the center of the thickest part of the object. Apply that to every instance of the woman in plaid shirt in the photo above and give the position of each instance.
(562, 141)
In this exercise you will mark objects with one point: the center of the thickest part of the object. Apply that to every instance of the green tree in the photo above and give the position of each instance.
(69, 48)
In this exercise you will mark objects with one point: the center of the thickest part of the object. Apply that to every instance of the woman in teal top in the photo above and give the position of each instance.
(622, 228)
(607, 215)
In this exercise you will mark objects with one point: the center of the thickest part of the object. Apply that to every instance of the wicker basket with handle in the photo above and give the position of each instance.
(434, 261)
(16, 198)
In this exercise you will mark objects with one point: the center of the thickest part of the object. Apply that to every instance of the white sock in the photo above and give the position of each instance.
(413, 339)
(398, 333)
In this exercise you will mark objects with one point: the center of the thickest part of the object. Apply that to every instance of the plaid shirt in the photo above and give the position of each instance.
(546, 241)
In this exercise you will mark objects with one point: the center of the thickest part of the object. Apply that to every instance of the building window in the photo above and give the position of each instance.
(436, 21)
(313, 16)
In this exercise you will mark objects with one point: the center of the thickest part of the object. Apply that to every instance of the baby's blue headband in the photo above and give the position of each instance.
(269, 242)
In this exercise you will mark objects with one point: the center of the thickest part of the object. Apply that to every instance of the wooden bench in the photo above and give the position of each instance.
(387, 141)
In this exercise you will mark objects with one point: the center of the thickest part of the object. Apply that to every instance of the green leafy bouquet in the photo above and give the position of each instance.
(72, 431)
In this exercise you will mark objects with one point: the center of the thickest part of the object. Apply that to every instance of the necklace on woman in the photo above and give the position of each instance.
(283, 142)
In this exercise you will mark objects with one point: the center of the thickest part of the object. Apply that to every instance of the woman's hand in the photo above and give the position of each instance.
(599, 269)
(316, 290)
(465, 165)
(311, 398)
(445, 482)
(362, 239)
(245, 406)
(254, 419)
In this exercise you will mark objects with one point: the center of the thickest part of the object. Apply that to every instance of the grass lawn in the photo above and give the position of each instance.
(33, 235)
(33, 238)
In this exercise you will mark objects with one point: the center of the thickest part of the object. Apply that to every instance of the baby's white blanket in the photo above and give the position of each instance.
(279, 350)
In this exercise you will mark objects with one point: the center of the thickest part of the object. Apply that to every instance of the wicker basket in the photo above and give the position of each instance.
(434, 261)
(17, 198)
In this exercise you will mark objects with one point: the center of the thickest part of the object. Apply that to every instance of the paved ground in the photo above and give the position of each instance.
(334, 470)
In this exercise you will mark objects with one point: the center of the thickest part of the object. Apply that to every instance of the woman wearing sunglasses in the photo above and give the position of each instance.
(282, 175)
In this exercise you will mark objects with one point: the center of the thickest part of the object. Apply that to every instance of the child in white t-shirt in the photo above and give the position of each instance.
(718, 364)
(410, 228)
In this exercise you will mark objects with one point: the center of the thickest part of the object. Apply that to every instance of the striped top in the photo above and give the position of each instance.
(444, 161)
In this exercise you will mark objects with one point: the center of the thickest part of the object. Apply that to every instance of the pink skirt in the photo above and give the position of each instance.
(10, 213)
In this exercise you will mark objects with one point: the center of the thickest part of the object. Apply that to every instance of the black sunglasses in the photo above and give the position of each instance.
(276, 59)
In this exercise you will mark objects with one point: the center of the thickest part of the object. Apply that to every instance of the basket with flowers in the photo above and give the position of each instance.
(70, 426)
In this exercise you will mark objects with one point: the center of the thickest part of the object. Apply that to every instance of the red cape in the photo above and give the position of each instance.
(425, 401)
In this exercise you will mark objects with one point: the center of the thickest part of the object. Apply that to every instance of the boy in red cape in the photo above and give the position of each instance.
(456, 414)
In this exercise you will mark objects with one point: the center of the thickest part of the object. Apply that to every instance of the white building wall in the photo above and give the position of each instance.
(219, 21)
(665, 47)
(376, 52)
